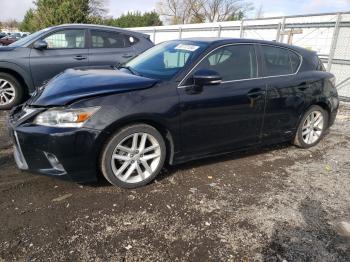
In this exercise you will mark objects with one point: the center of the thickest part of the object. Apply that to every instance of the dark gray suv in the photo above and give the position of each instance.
(26, 64)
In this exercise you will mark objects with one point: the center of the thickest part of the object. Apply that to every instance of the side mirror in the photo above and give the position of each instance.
(40, 45)
(206, 77)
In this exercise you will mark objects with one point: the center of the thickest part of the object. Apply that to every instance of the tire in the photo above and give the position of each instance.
(307, 134)
(130, 162)
(11, 94)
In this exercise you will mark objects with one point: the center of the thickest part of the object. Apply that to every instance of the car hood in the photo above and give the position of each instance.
(78, 83)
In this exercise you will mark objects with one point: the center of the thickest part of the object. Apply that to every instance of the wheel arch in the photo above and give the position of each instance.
(158, 125)
(323, 103)
(19, 74)
(325, 106)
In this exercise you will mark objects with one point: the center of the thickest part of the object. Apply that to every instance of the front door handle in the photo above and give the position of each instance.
(80, 57)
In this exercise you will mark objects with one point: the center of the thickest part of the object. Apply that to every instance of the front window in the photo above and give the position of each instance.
(29, 38)
(234, 62)
(66, 39)
(165, 60)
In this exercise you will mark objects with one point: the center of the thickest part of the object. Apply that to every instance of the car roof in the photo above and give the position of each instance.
(94, 26)
(227, 40)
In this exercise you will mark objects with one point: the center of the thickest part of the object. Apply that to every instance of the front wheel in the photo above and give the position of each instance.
(11, 92)
(134, 156)
(312, 127)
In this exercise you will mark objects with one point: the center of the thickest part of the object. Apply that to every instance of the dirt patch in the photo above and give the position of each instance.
(272, 204)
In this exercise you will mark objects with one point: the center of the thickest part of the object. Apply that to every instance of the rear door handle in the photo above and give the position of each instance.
(255, 93)
(127, 55)
(303, 86)
(80, 57)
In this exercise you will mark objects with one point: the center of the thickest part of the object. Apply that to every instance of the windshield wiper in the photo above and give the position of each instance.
(133, 71)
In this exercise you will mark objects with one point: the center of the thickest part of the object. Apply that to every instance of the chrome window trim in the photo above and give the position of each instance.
(239, 80)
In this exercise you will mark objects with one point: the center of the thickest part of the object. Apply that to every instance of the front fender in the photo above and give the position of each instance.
(26, 76)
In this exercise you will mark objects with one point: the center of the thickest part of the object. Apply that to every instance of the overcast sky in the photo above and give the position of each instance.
(17, 8)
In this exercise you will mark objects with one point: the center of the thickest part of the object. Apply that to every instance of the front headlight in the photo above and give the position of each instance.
(65, 117)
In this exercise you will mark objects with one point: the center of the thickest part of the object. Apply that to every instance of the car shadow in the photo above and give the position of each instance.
(169, 170)
(314, 240)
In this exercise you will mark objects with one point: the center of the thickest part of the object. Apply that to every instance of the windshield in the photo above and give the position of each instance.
(28, 38)
(165, 60)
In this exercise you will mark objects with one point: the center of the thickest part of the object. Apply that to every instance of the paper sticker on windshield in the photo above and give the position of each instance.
(190, 48)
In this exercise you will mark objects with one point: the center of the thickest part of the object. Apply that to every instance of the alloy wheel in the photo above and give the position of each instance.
(312, 127)
(7, 92)
(136, 158)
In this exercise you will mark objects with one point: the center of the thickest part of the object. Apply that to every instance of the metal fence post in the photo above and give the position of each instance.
(219, 31)
(241, 29)
(278, 32)
(283, 26)
(180, 32)
(334, 42)
(154, 35)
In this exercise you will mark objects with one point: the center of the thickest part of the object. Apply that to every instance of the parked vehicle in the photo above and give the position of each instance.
(178, 101)
(2, 34)
(16, 35)
(7, 40)
(28, 63)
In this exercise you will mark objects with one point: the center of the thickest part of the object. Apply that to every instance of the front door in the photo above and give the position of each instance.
(66, 49)
(226, 116)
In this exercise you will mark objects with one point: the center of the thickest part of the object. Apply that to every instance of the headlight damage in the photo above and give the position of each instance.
(65, 117)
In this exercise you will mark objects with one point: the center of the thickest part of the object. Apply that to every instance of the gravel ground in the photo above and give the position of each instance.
(272, 204)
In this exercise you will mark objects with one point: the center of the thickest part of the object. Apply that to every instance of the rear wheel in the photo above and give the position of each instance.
(11, 92)
(312, 127)
(134, 156)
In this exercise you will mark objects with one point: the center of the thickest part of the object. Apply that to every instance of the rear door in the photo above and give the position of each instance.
(110, 47)
(66, 49)
(285, 91)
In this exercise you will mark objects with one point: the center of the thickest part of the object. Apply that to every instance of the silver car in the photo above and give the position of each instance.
(31, 61)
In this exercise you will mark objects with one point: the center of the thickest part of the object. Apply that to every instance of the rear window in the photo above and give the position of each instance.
(107, 39)
(111, 39)
(279, 61)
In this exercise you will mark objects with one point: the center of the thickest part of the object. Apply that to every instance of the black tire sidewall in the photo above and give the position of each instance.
(324, 113)
(108, 150)
(18, 91)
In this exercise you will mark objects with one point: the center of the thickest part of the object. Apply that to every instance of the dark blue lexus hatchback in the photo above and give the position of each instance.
(178, 101)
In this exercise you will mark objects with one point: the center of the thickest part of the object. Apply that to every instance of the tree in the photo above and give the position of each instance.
(136, 19)
(176, 11)
(260, 12)
(236, 16)
(151, 19)
(198, 11)
(27, 23)
(52, 12)
(11, 24)
(224, 10)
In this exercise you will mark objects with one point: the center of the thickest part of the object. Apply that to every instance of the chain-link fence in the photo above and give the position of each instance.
(327, 34)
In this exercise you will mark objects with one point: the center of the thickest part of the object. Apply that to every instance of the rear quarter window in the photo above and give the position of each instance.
(279, 61)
